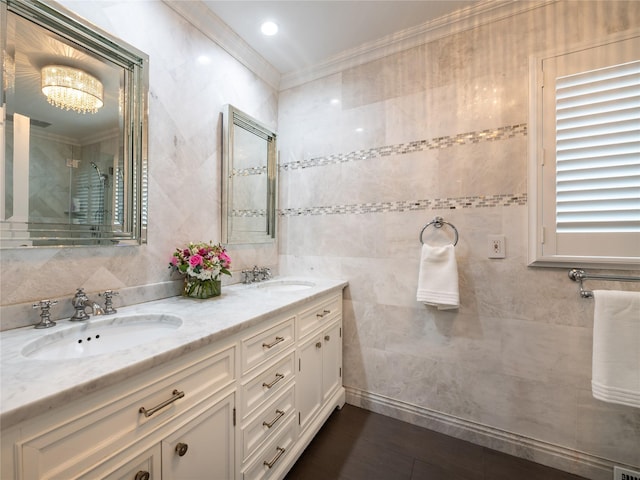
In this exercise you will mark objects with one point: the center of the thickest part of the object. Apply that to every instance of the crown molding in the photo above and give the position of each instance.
(454, 23)
(212, 26)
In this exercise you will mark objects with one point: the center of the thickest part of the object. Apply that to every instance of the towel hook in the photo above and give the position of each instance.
(438, 222)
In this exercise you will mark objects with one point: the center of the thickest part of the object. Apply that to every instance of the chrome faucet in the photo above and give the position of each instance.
(256, 274)
(80, 303)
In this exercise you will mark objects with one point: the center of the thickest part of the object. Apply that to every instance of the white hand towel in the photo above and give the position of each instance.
(438, 277)
(616, 347)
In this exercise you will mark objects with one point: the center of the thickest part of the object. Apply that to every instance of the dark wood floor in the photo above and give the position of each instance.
(356, 444)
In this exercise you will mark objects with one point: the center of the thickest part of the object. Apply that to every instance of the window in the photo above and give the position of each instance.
(585, 156)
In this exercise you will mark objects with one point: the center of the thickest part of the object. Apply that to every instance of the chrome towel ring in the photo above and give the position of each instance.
(438, 222)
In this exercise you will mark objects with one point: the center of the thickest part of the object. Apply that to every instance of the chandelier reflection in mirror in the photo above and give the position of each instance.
(71, 89)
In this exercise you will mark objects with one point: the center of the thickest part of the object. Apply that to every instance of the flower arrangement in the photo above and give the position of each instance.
(202, 263)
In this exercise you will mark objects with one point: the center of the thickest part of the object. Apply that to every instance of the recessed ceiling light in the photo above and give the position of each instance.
(269, 28)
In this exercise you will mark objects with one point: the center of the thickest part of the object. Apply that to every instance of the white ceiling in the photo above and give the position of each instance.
(312, 31)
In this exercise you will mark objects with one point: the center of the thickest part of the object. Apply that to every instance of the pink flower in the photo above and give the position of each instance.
(173, 261)
(195, 260)
(225, 259)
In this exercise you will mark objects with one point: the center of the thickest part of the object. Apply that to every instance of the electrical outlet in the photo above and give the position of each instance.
(496, 246)
(620, 473)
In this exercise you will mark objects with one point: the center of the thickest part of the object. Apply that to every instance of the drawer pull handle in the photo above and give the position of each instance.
(142, 475)
(274, 343)
(176, 395)
(181, 449)
(273, 422)
(279, 377)
(324, 312)
(275, 459)
(319, 345)
(327, 338)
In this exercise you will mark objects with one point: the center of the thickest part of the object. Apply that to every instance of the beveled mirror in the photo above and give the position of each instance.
(249, 172)
(74, 131)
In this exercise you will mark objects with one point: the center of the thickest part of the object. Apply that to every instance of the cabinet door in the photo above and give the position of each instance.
(309, 379)
(203, 448)
(331, 360)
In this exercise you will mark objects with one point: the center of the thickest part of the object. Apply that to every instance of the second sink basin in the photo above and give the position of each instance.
(286, 285)
(99, 336)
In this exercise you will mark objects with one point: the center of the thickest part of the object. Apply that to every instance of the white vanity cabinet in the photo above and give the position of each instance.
(243, 407)
(107, 434)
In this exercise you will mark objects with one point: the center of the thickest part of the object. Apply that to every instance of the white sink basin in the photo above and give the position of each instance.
(285, 285)
(101, 335)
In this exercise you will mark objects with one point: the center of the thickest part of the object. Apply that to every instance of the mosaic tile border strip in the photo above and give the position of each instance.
(249, 213)
(490, 135)
(243, 172)
(480, 201)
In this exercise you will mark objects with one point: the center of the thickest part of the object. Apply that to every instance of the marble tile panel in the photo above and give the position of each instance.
(365, 325)
(553, 354)
(610, 430)
(519, 289)
(450, 109)
(313, 99)
(484, 169)
(533, 409)
(396, 75)
(332, 236)
(461, 339)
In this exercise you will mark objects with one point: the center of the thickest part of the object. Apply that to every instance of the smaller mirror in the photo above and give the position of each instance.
(249, 172)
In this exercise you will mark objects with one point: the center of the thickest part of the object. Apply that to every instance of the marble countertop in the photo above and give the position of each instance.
(30, 386)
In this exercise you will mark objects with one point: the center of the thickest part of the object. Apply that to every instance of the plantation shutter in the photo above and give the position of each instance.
(591, 139)
(598, 150)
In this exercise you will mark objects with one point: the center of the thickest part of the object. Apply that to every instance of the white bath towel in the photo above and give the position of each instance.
(438, 277)
(616, 347)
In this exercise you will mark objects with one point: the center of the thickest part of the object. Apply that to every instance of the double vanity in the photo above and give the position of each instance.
(229, 388)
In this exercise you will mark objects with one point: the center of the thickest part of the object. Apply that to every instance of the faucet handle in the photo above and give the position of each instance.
(79, 294)
(108, 301)
(247, 276)
(45, 313)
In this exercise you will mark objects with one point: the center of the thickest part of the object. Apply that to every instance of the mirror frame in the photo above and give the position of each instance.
(233, 118)
(134, 134)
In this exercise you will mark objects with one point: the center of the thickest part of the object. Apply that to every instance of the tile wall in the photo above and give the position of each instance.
(369, 155)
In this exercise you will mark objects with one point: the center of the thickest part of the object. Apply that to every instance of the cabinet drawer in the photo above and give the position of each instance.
(271, 459)
(268, 422)
(64, 449)
(267, 384)
(266, 344)
(318, 315)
